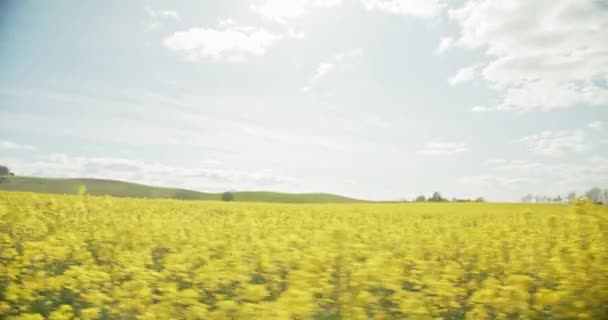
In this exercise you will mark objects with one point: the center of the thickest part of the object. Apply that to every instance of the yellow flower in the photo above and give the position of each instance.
(89, 313)
(30, 316)
(64, 312)
(150, 259)
(254, 292)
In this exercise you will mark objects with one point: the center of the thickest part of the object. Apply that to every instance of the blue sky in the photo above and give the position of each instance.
(377, 99)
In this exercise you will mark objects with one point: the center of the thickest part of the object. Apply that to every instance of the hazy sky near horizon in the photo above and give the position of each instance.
(376, 99)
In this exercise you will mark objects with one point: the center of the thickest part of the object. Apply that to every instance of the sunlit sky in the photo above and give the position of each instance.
(375, 99)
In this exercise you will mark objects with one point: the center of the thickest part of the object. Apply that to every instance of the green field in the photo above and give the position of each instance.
(134, 190)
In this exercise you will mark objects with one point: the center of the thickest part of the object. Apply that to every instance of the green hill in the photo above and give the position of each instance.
(134, 190)
(265, 196)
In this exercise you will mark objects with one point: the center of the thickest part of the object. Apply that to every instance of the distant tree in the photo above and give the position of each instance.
(539, 198)
(227, 196)
(436, 197)
(420, 199)
(4, 171)
(595, 194)
(527, 198)
(480, 199)
(558, 199)
(571, 197)
(601, 197)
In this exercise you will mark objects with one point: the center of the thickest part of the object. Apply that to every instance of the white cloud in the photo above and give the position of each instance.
(292, 33)
(227, 22)
(322, 70)
(493, 180)
(4, 144)
(208, 176)
(416, 8)
(171, 14)
(514, 165)
(157, 15)
(376, 122)
(444, 44)
(339, 61)
(496, 161)
(280, 10)
(555, 143)
(480, 109)
(551, 178)
(596, 124)
(233, 43)
(442, 148)
(463, 75)
(545, 54)
(349, 55)
(327, 3)
(540, 95)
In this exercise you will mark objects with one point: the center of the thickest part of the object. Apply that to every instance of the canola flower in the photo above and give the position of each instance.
(82, 257)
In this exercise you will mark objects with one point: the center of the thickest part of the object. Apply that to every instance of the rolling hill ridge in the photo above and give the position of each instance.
(118, 188)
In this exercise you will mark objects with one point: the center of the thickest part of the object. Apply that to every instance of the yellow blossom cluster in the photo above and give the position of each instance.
(82, 257)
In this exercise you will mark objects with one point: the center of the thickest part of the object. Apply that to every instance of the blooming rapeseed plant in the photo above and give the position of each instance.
(81, 257)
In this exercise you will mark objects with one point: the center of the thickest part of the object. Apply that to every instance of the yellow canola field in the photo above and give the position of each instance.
(81, 257)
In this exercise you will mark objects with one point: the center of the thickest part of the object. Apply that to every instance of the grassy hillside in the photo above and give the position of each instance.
(135, 190)
(265, 196)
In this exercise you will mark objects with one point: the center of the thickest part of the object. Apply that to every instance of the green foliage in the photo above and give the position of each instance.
(421, 198)
(436, 197)
(227, 196)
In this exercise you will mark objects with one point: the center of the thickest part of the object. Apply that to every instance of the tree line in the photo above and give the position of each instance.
(437, 197)
(595, 194)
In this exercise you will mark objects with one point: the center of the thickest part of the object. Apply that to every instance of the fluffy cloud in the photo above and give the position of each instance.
(564, 176)
(339, 60)
(206, 177)
(546, 178)
(463, 75)
(514, 165)
(480, 109)
(442, 148)
(416, 8)
(322, 70)
(231, 43)
(9, 145)
(545, 54)
(444, 44)
(292, 33)
(493, 180)
(171, 14)
(555, 143)
(280, 10)
(597, 124)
